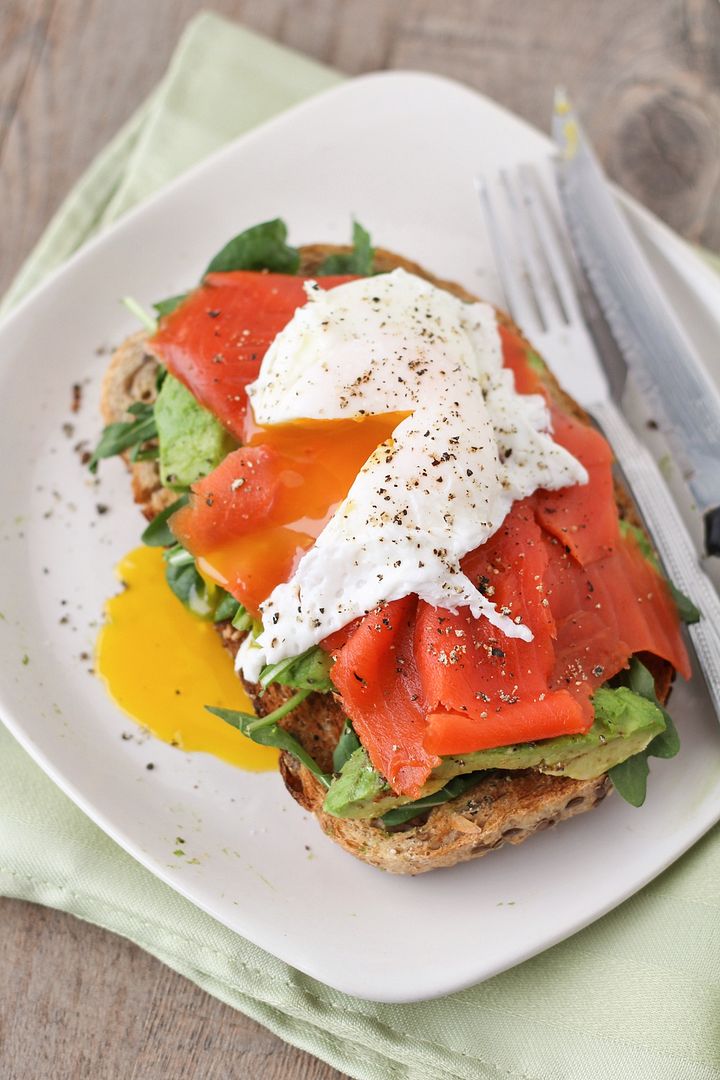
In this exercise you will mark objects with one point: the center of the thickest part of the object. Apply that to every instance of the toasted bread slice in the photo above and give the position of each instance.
(503, 807)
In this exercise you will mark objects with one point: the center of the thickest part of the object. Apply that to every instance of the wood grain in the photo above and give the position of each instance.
(77, 1002)
(646, 76)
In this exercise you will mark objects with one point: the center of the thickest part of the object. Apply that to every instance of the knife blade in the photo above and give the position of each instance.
(654, 343)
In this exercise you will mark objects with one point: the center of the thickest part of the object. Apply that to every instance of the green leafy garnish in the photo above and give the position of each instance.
(135, 308)
(630, 777)
(226, 608)
(126, 434)
(242, 619)
(685, 607)
(536, 362)
(166, 307)
(266, 731)
(686, 610)
(358, 261)
(158, 533)
(347, 744)
(263, 247)
(183, 578)
(359, 783)
(149, 453)
(309, 671)
(455, 787)
(191, 589)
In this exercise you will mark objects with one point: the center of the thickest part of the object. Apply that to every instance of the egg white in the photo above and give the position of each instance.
(438, 489)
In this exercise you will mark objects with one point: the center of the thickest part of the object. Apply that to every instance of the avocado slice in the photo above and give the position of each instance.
(624, 724)
(192, 441)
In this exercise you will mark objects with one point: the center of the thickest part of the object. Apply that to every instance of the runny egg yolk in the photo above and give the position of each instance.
(163, 665)
(318, 461)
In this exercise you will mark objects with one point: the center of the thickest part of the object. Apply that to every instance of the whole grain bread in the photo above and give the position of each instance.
(503, 807)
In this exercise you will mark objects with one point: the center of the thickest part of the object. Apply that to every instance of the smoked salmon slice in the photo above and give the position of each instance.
(214, 342)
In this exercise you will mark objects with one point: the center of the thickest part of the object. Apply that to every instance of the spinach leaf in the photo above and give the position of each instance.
(309, 671)
(183, 578)
(686, 610)
(266, 731)
(455, 787)
(165, 307)
(226, 608)
(347, 744)
(358, 261)
(158, 534)
(126, 434)
(262, 247)
(640, 681)
(630, 777)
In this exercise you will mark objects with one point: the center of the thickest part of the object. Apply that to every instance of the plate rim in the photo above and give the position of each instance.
(352, 986)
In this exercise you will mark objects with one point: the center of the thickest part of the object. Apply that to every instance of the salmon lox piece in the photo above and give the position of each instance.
(377, 678)
(214, 342)
(484, 689)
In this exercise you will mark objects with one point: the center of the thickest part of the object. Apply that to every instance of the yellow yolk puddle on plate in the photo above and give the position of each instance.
(162, 665)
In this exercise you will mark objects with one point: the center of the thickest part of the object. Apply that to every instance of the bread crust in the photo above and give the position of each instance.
(503, 807)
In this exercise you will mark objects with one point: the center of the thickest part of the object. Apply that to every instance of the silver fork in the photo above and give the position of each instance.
(532, 254)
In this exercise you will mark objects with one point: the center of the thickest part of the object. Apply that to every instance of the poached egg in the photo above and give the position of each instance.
(466, 446)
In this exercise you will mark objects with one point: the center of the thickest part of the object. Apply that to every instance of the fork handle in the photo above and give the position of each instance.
(671, 537)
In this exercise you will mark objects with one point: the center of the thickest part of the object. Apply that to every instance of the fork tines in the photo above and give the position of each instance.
(532, 261)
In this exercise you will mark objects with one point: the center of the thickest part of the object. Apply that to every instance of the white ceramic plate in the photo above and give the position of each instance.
(399, 152)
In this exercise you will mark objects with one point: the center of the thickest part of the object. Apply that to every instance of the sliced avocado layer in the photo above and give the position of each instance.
(192, 441)
(624, 724)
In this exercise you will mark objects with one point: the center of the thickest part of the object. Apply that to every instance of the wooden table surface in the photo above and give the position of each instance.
(76, 1001)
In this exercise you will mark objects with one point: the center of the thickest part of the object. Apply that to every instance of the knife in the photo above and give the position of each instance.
(651, 338)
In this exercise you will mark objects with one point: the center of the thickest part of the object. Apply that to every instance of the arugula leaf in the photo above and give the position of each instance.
(183, 578)
(630, 777)
(242, 619)
(141, 409)
(358, 261)
(686, 610)
(685, 607)
(309, 671)
(125, 434)
(347, 744)
(226, 608)
(166, 307)
(262, 247)
(135, 308)
(158, 534)
(181, 574)
(266, 731)
(150, 453)
(452, 789)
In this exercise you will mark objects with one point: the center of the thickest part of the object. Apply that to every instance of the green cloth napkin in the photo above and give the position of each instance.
(637, 995)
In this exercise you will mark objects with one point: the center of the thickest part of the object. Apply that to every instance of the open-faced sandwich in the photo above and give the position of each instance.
(441, 602)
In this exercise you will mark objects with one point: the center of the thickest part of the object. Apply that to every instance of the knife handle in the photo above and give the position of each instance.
(671, 537)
